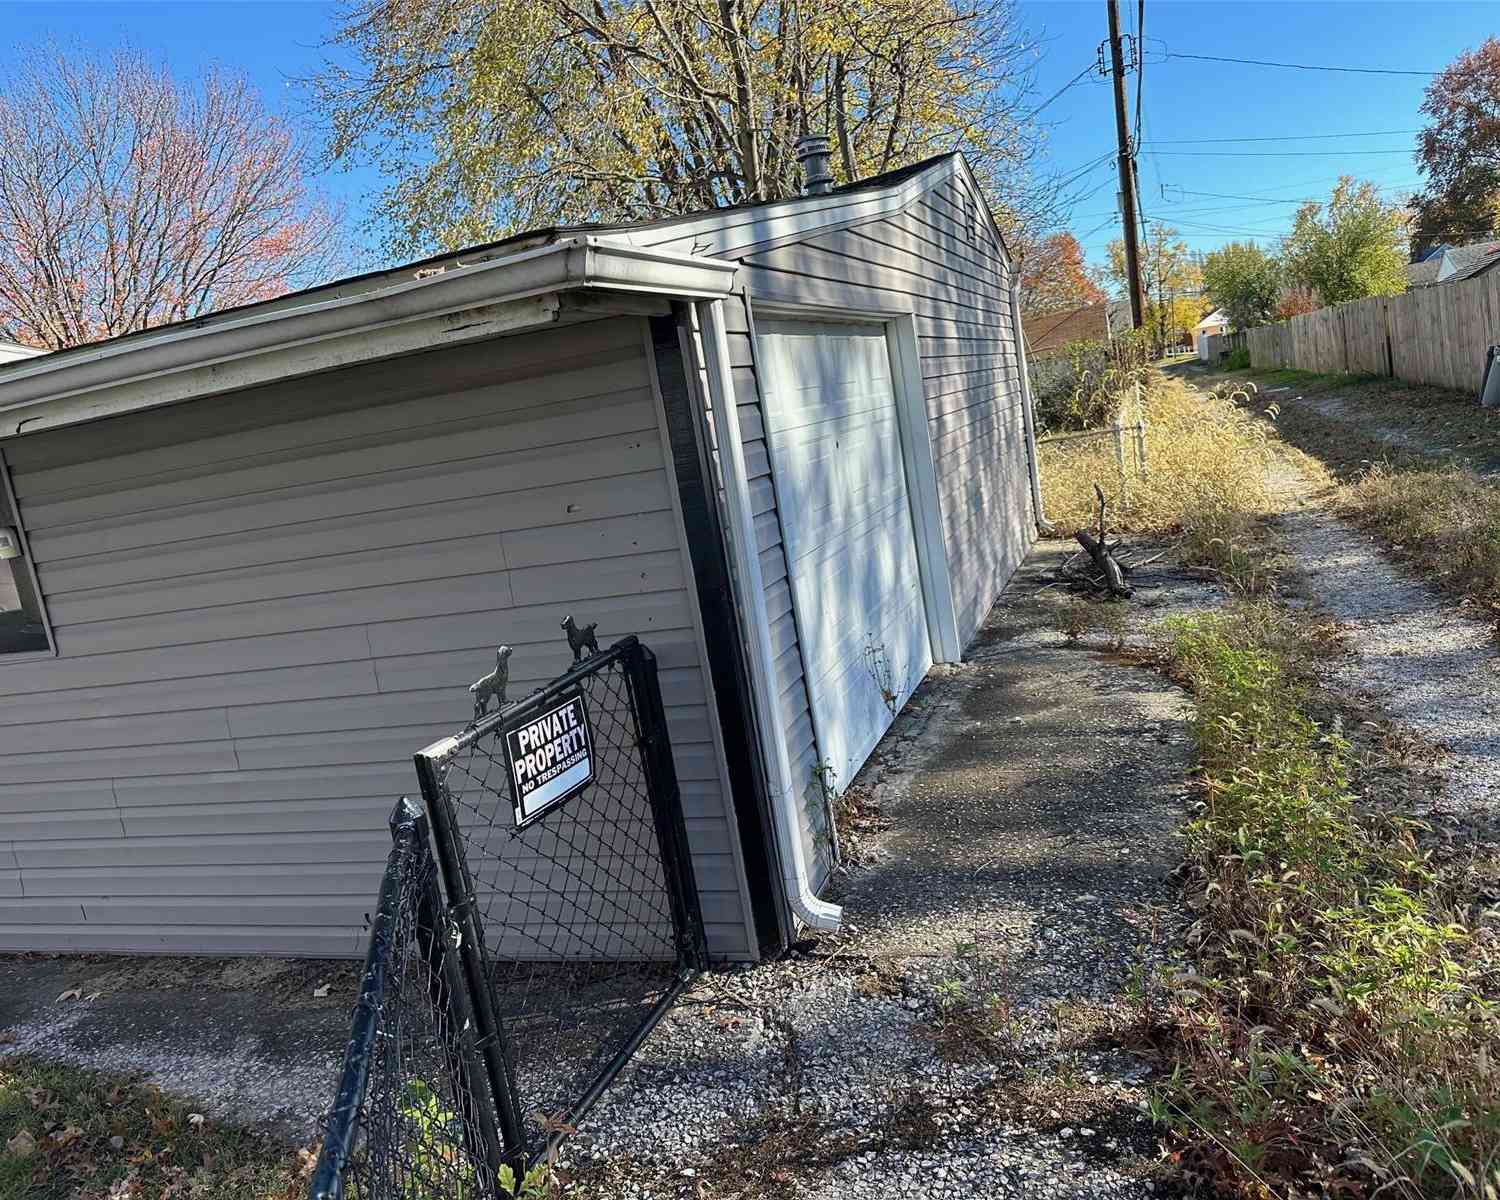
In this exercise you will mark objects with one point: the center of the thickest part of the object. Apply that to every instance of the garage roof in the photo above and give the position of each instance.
(478, 292)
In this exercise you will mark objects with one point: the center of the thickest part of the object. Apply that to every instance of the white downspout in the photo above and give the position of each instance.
(1043, 525)
(750, 598)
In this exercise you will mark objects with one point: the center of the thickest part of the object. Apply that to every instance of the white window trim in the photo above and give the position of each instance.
(916, 455)
(9, 495)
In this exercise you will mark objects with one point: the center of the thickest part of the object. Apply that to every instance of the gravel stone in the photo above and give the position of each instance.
(1416, 655)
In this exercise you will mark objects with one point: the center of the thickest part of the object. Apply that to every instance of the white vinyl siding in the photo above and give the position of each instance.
(830, 407)
(265, 603)
(938, 260)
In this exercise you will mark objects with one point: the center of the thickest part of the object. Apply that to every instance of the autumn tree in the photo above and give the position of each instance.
(128, 199)
(1352, 247)
(1459, 152)
(497, 115)
(1244, 281)
(1169, 272)
(1296, 301)
(1054, 276)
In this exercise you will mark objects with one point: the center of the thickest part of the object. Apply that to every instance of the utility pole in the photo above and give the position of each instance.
(1127, 173)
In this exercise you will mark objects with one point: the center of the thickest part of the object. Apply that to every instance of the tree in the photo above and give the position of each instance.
(498, 115)
(1244, 281)
(1295, 302)
(1168, 271)
(1460, 152)
(129, 200)
(1054, 277)
(1171, 321)
(1350, 248)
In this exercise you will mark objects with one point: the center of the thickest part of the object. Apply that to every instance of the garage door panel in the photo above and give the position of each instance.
(834, 433)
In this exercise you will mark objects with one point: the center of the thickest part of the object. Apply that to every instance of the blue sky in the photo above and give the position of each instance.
(1187, 99)
(275, 43)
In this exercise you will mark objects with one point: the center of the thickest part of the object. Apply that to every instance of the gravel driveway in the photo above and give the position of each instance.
(962, 1036)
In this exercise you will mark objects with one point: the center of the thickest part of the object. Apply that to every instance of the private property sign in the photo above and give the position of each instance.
(550, 757)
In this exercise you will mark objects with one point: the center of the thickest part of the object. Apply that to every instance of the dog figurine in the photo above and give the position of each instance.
(493, 684)
(580, 639)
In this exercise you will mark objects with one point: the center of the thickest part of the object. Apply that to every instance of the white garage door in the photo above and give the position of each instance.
(835, 441)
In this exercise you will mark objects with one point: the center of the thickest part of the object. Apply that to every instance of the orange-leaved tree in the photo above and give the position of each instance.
(1460, 152)
(129, 199)
(1054, 276)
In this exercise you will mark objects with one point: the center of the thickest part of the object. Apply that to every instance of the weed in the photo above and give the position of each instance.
(1445, 520)
(1326, 1030)
(1206, 485)
(1076, 617)
(878, 665)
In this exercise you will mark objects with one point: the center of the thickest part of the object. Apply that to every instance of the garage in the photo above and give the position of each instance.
(265, 552)
(834, 435)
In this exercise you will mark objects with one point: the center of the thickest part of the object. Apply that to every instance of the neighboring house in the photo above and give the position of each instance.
(1047, 333)
(787, 444)
(1448, 264)
(1213, 325)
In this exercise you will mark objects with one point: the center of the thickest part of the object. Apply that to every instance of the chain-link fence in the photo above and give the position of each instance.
(524, 946)
(413, 1118)
(585, 914)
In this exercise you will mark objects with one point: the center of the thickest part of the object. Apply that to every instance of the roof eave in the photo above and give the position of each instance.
(215, 355)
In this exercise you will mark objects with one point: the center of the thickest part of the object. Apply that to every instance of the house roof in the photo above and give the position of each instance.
(1216, 317)
(1472, 260)
(1448, 264)
(1424, 273)
(1047, 332)
(442, 299)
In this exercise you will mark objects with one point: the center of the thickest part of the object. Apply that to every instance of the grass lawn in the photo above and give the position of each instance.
(70, 1134)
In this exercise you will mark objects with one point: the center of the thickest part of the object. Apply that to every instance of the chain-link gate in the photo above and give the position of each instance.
(497, 1008)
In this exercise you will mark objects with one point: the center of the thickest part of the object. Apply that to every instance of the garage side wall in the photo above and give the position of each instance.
(938, 260)
(265, 603)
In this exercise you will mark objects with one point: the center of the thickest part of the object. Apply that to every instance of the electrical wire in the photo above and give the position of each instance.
(1269, 153)
(1287, 137)
(1260, 62)
(1055, 95)
(1140, 65)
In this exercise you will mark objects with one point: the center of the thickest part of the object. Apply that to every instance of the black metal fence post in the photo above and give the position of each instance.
(459, 885)
(666, 806)
(343, 1118)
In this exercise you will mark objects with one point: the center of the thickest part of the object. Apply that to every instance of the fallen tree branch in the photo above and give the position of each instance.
(1114, 577)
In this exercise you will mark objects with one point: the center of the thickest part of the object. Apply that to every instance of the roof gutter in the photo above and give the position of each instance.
(237, 350)
(1028, 413)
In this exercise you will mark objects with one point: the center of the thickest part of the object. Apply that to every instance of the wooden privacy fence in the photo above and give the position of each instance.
(1438, 335)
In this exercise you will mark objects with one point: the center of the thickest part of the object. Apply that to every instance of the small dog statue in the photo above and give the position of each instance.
(580, 639)
(493, 684)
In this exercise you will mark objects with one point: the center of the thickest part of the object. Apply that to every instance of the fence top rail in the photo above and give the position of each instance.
(445, 748)
(1104, 431)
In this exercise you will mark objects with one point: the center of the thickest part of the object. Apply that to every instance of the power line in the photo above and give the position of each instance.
(1260, 62)
(1065, 87)
(1269, 153)
(1140, 65)
(1287, 137)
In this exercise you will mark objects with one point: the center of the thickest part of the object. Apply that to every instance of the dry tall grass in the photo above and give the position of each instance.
(1446, 521)
(1205, 482)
